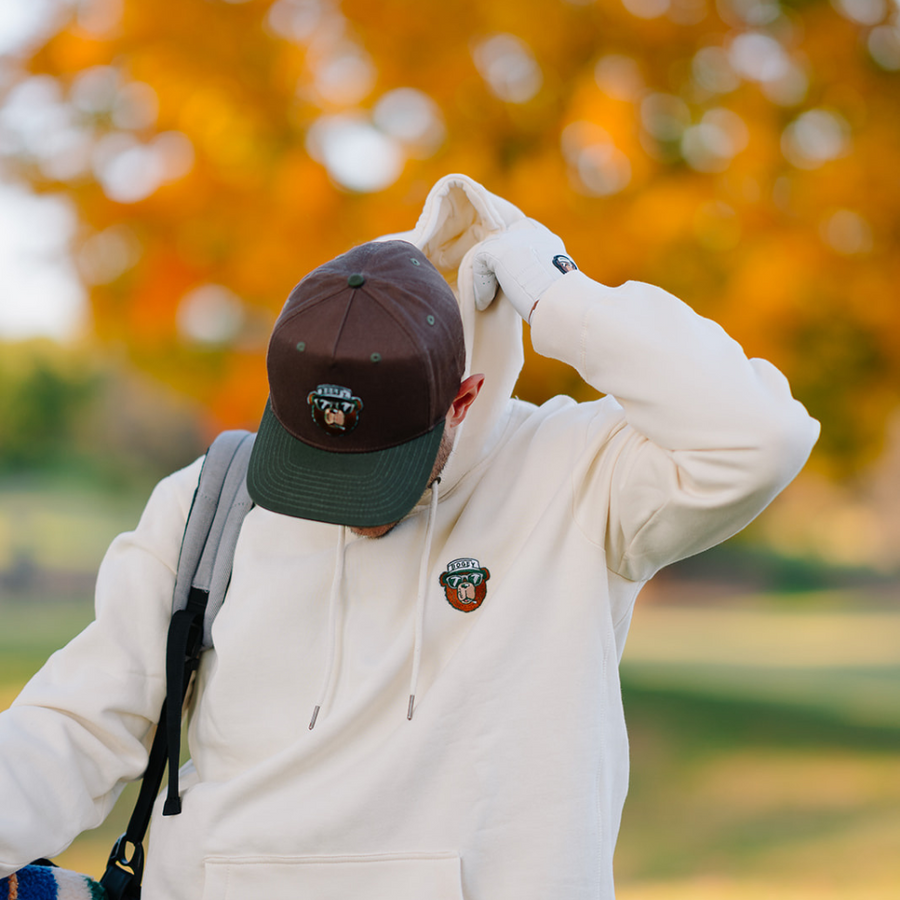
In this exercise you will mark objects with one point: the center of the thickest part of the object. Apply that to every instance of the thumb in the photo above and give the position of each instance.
(484, 280)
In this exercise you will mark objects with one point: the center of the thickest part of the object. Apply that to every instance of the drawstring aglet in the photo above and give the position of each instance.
(409, 712)
(312, 721)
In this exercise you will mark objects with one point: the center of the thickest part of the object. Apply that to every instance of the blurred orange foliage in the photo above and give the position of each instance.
(742, 154)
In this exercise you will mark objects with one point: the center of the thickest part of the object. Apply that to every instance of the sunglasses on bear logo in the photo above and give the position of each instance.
(335, 411)
(458, 578)
(331, 404)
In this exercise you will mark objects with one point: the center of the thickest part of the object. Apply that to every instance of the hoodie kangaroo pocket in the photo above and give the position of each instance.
(382, 876)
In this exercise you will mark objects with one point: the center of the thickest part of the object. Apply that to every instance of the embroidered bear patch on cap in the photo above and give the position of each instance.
(334, 408)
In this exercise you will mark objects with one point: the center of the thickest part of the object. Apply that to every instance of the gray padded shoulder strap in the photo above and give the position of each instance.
(214, 522)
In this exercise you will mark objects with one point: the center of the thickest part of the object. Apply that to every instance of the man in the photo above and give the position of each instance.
(414, 691)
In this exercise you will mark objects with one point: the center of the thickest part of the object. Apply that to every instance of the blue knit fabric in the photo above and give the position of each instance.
(49, 883)
(37, 883)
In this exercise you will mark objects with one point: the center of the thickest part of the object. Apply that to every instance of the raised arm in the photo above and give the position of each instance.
(707, 439)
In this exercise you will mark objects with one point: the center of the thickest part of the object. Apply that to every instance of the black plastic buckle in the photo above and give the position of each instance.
(122, 878)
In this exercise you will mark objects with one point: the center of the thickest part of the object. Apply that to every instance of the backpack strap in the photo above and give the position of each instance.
(204, 570)
(214, 522)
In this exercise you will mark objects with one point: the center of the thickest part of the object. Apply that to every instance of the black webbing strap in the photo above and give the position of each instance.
(182, 659)
(122, 878)
(124, 870)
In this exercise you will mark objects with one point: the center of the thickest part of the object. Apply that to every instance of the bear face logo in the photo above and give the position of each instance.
(465, 583)
(334, 408)
(564, 263)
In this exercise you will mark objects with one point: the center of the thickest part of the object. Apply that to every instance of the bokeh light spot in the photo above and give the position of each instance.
(688, 12)
(814, 138)
(35, 266)
(136, 106)
(646, 9)
(94, 90)
(33, 109)
(884, 46)
(749, 12)
(863, 12)
(356, 155)
(758, 57)
(712, 71)
(597, 167)
(344, 77)
(508, 66)
(619, 77)
(126, 169)
(129, 170)
(210, 314)
(295, 20)
(26, 24)
(37, 124)
(104, 256)
(175, 154)
(412, 117)
(790, 89)
(99, 18)
(847, 232)
(715, 141)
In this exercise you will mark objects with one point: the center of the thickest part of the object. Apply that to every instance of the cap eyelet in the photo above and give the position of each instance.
(375, 357)
(430, 320)
(301, 346)
(414, 261)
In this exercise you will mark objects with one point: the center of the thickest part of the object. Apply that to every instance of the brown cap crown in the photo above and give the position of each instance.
(381, 323)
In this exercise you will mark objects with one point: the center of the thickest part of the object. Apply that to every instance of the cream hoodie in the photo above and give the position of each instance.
(508, 782)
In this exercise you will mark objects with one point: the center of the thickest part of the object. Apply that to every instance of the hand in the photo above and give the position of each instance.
(525, 260)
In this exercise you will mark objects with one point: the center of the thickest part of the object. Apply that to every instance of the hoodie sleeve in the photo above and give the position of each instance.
(81, 728)
(706, 438)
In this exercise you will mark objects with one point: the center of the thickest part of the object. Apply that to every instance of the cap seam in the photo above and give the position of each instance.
(304, 307)
(340, 328)
(411, 337)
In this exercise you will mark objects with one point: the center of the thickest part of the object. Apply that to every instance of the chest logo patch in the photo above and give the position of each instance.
(334, 408)
(465, 583)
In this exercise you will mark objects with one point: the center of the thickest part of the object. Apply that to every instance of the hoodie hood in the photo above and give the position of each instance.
(458, 215)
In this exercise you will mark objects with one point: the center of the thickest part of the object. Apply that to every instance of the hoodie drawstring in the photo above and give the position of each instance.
(420, 598)
(333, 600)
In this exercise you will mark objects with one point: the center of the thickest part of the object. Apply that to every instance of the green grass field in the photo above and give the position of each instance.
(765, 729)
(765, 749)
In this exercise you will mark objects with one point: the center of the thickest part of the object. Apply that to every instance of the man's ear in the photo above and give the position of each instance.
(465, 397)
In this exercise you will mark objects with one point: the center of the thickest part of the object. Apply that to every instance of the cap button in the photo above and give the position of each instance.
(356, 280)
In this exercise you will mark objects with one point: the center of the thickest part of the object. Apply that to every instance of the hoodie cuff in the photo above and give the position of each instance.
(558, 323)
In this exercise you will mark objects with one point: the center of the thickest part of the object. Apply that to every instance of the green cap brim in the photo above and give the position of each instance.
(360, 489)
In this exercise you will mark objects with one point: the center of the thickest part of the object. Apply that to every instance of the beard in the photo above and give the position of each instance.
(443, 454)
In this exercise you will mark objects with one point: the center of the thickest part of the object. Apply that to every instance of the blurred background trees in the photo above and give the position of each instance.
(203, 155)
(741, 153)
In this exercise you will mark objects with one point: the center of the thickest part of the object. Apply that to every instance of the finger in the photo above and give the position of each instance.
(484, 281)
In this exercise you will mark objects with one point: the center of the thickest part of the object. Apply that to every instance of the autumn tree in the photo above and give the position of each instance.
(742, 155)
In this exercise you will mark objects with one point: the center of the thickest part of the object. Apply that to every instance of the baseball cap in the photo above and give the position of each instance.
(364, 362)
